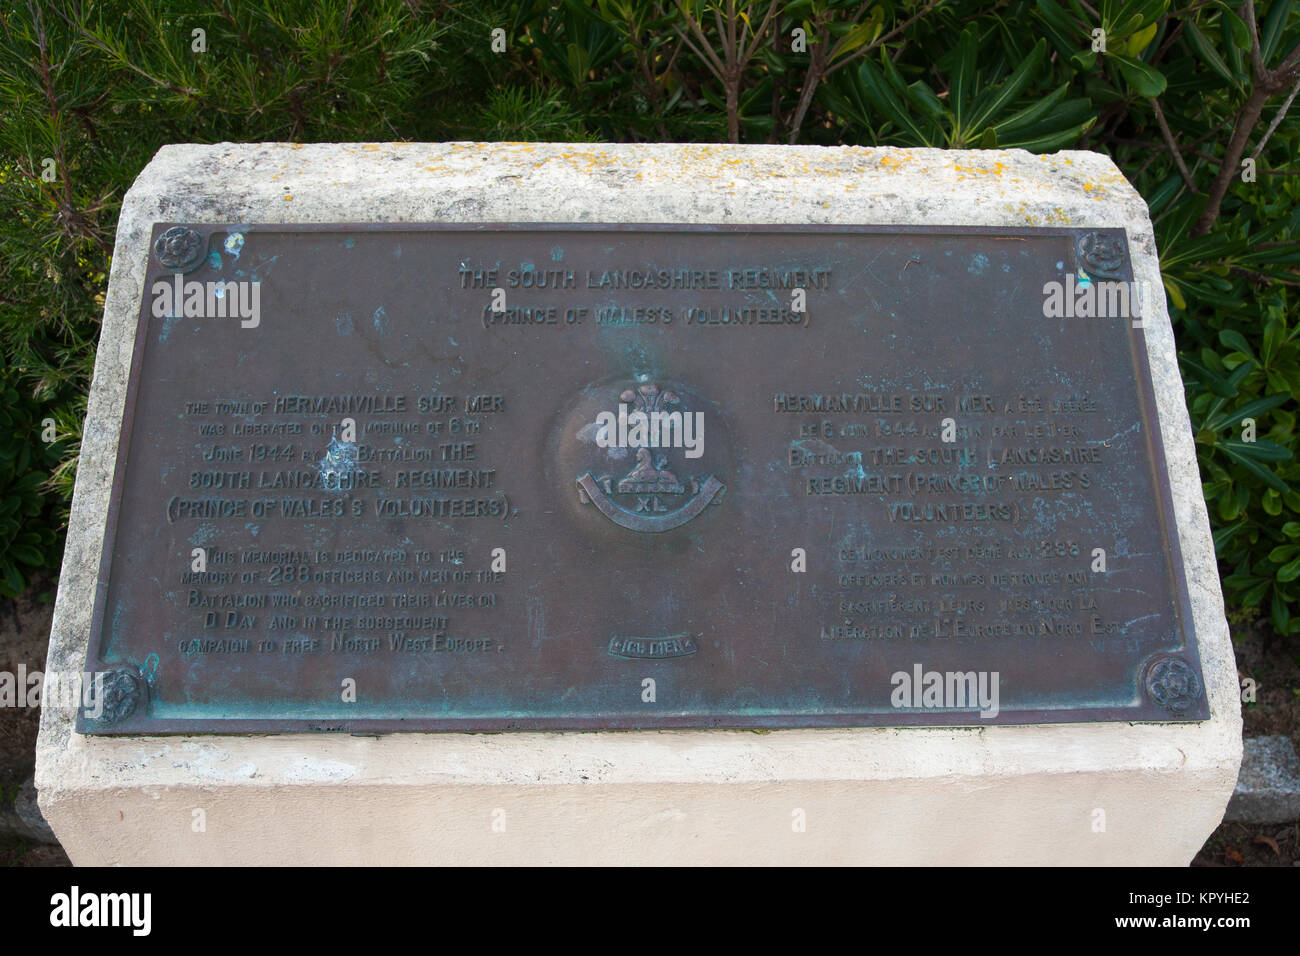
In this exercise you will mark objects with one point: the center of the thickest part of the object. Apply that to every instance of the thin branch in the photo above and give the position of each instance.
(746, 54)
(884, 39)
(1173, 148)
(1189, 148)
(1267, 83)
(710, 58)
(1256, 58)
(1291, 59)
(813, 77)
(1277, 120)
(123, 60)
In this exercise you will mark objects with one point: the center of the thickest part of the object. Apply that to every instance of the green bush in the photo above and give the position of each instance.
(1179, 98)
(28, 519)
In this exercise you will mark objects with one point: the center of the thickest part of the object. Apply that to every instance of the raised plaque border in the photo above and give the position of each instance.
(133, 678)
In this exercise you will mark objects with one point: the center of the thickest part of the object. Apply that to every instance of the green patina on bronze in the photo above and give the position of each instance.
(848, 476)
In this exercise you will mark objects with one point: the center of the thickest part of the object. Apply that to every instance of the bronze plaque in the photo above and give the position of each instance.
(571, 477)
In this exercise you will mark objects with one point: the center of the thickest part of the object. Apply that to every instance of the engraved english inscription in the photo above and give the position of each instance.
(379, 478)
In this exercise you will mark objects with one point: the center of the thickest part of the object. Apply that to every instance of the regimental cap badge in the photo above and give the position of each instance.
(653, 425)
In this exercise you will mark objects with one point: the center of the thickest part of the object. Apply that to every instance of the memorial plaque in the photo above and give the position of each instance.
(572, 477)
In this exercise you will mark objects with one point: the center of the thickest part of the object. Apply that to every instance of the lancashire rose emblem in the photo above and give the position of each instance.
(654, 495)
(1101, 255)
(1172, 684)
(179, 248)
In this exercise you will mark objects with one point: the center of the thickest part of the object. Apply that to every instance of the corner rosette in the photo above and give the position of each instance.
(179, 249)
(1101, 256)
(1172, 684)
(122, 691)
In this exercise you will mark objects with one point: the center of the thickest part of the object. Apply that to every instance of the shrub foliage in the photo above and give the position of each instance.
(1192, 102)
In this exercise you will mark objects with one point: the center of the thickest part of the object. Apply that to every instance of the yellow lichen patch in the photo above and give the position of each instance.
(1057, 216)
(295, 145)
(589, 162)
(997, 169)
(288, 196)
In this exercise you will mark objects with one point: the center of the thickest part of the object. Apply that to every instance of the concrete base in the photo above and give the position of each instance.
(1268, 788)
(1083, 793)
